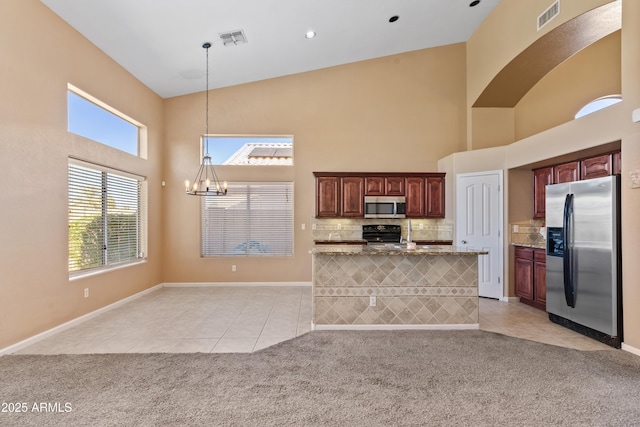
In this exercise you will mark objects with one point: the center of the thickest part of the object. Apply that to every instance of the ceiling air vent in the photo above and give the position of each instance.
(232, 38)
(546, 16)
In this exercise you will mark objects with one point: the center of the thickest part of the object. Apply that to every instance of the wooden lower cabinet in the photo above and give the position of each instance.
(530, 276)
(540, 278)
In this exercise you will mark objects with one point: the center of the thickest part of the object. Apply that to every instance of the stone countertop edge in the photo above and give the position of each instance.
(364, 242)
(529, 245)
(368, 250)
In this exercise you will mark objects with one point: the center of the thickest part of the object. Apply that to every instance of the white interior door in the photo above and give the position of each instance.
(479, 224)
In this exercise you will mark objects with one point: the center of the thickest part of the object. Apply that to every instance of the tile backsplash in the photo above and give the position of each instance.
(530, 233)
(351, 228)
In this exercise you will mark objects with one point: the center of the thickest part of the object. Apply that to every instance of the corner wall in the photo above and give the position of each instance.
(41, 54)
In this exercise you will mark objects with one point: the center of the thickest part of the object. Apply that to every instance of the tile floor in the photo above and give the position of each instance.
(246, 319)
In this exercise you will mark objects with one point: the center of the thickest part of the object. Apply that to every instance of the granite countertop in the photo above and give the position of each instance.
(341, 242)
(364, 242)
(393, 249)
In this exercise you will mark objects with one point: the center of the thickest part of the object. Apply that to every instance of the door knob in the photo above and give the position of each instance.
(464, 242)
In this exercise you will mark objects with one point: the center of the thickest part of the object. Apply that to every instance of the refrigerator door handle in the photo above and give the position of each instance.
(567, 253)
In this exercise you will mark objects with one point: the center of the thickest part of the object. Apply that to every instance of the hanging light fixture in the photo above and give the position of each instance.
(206, 182)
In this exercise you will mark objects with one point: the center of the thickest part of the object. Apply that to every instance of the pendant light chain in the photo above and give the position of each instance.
(206, 119)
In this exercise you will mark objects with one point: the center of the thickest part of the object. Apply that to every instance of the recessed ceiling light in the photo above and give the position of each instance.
(310, 34)
(394, 18)
(474, 3)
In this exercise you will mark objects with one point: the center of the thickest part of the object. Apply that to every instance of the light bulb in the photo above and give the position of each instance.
(186, 184)
(208, 182)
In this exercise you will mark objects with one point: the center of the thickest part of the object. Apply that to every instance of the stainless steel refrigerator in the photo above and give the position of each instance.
(583, 257)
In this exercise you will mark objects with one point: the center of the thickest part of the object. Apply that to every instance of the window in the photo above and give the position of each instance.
(106, 221)
(92, 119)
(598, 104)
(254, 219)
(250, 150)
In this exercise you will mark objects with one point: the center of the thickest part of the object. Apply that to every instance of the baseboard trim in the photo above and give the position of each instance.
(34, 339)
(393, 327)
(632, 350)
(236, 284)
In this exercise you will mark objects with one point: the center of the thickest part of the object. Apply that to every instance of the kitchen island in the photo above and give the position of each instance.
(392, 287)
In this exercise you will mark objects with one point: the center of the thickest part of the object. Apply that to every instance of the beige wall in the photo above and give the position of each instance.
(41, 54)
(507, 31)
(492, 47)
(589, 74)
(398, 113)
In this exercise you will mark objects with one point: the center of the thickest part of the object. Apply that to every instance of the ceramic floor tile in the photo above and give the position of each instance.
(245, 319)
(194, 345)
(235, 345)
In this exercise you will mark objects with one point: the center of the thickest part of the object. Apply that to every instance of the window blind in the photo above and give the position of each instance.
(253, 219)
(105, 218)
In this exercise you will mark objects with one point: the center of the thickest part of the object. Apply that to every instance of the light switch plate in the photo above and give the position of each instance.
(634, 176)
(635, 115)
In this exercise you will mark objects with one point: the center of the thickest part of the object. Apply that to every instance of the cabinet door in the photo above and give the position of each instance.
(541, 178)
(524, 273)
(374, 186)
(352, 192)
(596, 167)
(394, 186)
(566, 172)
(617, 163)
(327, 197)
(540, 277)
(415, 193)
(435, 197)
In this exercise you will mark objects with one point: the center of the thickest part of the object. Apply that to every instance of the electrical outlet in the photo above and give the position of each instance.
(372, 301)
(304, 226)
(339, 226)
(516, 228)
(313, 226)
(233, 268)
(86, 292)
(421, 226)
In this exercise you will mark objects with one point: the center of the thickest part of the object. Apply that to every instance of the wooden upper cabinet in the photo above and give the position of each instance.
(541, 178)
(384, 186)
(617, 163)
(394, 186)
(327, 197)
(566, 172)
(435, 197)
(352, 192)
(341, 194)
(374, 186)
(415, 197)
(596, 167)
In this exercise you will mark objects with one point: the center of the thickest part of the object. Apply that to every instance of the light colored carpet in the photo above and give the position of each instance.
(333, 378)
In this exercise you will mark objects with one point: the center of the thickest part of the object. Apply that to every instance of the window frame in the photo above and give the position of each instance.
(207, 146)
(105, 196)
(585, 110)
(141, 130)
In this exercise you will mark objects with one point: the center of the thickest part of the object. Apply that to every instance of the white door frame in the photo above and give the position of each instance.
(500, 209)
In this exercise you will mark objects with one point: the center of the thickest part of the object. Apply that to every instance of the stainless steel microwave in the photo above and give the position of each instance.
(385, 207)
